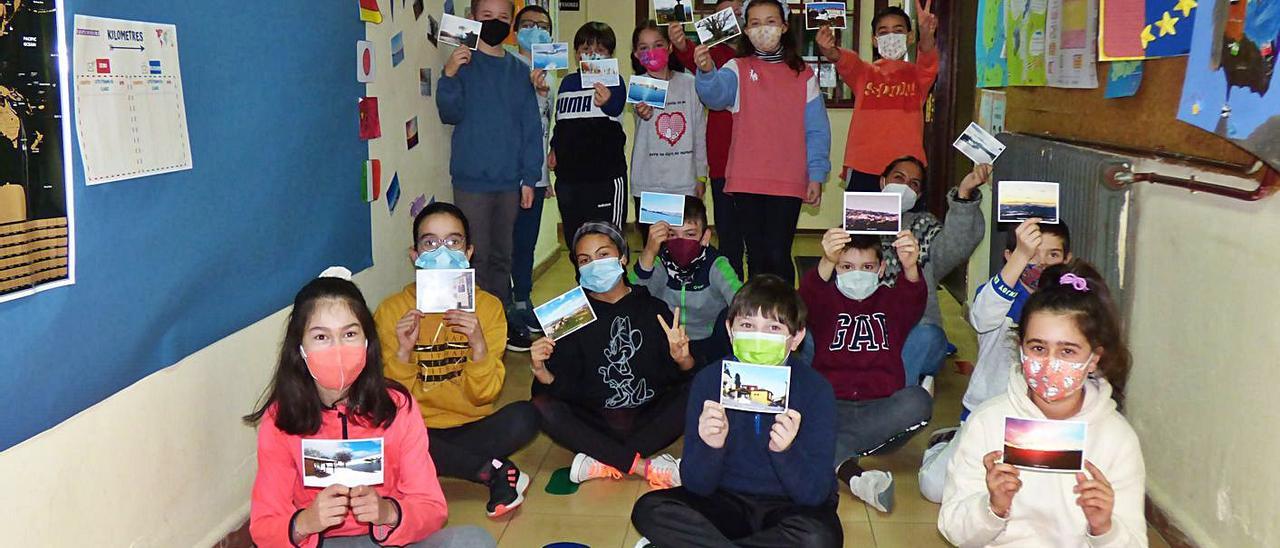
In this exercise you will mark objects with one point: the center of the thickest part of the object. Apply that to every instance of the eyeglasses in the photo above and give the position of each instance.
(538, 24)
(432, 244)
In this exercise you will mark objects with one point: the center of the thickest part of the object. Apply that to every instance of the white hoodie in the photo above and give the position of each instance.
(1044, 511)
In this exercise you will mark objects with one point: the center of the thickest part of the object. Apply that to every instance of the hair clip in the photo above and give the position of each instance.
(339, 272)
(1076, 282)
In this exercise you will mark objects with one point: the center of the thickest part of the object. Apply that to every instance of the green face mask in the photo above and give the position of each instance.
(760, 348)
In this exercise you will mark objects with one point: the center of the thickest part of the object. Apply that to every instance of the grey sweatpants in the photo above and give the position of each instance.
(462, 536)
(491, 216)
(872, 427)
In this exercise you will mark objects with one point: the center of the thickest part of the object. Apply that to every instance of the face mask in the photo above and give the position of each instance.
(760, 348)
(493, 31)
(1053, 378)
(337, 366)
(600, 275)
(655, 59)
(1030, 276)
(527, 37)
(765, 37)
(892, 46)
(908, 195)
(857, 284)
(441, 258)
(683, 250)
(591, 56)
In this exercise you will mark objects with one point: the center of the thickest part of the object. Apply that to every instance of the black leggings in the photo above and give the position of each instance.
(467, 451)
(728, 229)
(615, 436)
(770, 232)
(677, 517)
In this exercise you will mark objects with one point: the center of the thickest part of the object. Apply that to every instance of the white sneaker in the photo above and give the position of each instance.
(586, 468)
(927, 384)
(643, 543)
(875, 488)
(663, 472)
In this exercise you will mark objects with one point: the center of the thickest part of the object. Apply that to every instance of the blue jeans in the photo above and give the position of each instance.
(924, 352)
(524, 239)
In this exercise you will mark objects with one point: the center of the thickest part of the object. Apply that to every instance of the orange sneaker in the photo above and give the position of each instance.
(586, 468)
(663, 472)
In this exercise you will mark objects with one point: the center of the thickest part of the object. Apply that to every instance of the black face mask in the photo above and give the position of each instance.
(493, 31)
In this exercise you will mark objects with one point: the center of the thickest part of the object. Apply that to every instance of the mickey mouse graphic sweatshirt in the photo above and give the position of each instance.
(669, 150)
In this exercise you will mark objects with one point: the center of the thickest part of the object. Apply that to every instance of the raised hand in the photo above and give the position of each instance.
(785, 427)
(980, 175)
(1029, 238)
(538, 77)
(677, 339)
(459, 57)
(826, 41)
(539, 353)
(908, 251)
(1097, 499)
(713, 424)
(407, 334)
(644, 111)
(833, 242)
(602, 94)
(1002, 483)
(675, 33)
(702, 58)
(658, 232)
(927, 22)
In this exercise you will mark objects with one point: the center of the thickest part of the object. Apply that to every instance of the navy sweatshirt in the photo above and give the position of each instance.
(745, 464)
(588, 140)
(497, 134)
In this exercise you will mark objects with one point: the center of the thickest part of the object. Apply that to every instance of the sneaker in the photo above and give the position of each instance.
(663, 472)
(943, 435)
(875, 488)
(518, 339)
(927, 384)
(506, 488)
(643, 543)
(586, 468)
(951, 349)
(523, 312)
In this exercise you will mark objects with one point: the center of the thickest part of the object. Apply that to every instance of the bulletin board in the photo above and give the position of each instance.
(170, 263)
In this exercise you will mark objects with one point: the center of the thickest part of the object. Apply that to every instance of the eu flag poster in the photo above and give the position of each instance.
(1145, 29)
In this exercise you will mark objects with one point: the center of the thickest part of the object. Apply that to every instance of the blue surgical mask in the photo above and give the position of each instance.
(600, 275)
(857, 284)
(527, 37)
(442, 258)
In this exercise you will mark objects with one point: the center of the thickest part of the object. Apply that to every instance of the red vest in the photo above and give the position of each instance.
(768, 153)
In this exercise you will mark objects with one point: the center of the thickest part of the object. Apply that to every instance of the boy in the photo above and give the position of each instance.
(858, 331)
(752, 479)
(587, 142)
(496, 155)
(995, 313)
(612, 391)
(694, 279)
(889, 93)
(452, 364)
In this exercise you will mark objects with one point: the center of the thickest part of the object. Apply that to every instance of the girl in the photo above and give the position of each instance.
(329, 386)
(670, 152)
(1074, 365)
(781, 135)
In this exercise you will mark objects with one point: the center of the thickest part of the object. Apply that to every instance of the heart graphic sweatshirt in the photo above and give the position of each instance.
(669, 151)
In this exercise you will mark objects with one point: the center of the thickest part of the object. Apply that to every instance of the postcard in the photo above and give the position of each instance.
(717, 27)
(411, 133)
(1017, 201)
(553, 56)
(349, 463)
(978, 145)
(565, 314)
(650, 91)
(754, 388)
(442, 290)
(433, 31)
(1044, 445)
(457, 31)
(872, 213)
(673, 11)
(604, 71)
(818, 14)
(397, 49)
(656, 206)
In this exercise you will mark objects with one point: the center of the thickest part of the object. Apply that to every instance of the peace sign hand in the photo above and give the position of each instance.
(927, 23)
(677, 339)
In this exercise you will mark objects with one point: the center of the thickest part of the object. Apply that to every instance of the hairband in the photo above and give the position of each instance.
(1076, 282)
(340, 272)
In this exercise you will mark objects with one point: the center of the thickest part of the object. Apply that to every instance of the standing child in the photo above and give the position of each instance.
(754, 479)
(669, 153)
(1074, 364)
(781, 135)
(587, 142)
(889, 93)
(329, 386)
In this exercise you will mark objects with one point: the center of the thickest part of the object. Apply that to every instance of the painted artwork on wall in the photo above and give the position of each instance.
(1144, 29)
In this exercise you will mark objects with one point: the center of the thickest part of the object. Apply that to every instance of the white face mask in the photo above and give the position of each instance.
(908, 195)
(765, 37)
(857, 284)
(892, 46)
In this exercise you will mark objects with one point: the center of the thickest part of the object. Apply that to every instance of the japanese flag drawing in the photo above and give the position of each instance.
(364, 61)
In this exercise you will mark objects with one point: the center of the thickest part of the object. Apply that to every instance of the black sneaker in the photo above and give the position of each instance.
(506, 488)
(518, 339)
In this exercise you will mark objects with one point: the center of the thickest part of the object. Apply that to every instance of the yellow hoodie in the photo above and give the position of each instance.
(451, 388)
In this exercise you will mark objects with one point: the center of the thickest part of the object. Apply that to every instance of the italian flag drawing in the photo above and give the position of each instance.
(369, 11)
(372, 180)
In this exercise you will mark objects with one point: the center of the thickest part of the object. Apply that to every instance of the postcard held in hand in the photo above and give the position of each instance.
(457, 31)
(604, 71)
(978, 145)
(820, 14)
(754, 388)
(565, 314)
(553, 56)
(872, 213)
(349, 463)
(656, 206)
(1044, 445)
(717, 27)
(442, 290)
(650, 91)
(1017, 201)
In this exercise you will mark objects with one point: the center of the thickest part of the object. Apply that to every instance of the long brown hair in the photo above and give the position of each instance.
(790, 40)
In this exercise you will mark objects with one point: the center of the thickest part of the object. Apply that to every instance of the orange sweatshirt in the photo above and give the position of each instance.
(888, 112)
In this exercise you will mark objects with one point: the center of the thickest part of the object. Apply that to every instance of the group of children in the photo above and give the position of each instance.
(859, 335)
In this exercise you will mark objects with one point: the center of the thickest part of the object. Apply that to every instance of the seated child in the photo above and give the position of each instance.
(1029, 249)
(329, 386)
(612, 391)
(1073, 366)
(451, 363)
(752, 479)
(694, 279)
(858, 330)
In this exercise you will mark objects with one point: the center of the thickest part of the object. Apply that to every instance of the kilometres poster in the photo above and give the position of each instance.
(1144, 29)
(1072, 59)
(130, 116)
(1231, 86)
(1025, 41)
(993, 69)
(36, 247)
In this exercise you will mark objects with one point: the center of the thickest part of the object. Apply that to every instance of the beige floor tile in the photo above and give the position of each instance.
(906, 535)
(857, 534)
(1154, 540)
(602, 497)
(851, 509)
(632, 537)
(466, 506)
(538, 530)
(909, 505)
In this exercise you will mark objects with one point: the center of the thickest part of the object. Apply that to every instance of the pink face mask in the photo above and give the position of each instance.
(337, 366)
(655, 59)
(1054, 378)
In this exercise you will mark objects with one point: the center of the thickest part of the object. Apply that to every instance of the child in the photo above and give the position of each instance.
(612, 391)
(1074, 363)
(328, 386)
(781, 135)
(858, 330)
(669, 153)
(496, 155)
(587, 141)
(889, 94)
(694, 279)
(451, 363)
(719, 135)
(994, 313)
(753, 479)
(533, 26)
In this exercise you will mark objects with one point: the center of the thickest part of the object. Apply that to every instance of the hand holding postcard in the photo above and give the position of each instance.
(819, 14)
(978, 145)
(565, 314)
(442, 290)
(553, 56)
(456, 31)
(754, 388)
(1044, 445)
(872, 213)
(656, 206)
(604, 71)
(349, 463)
(717, 27)
(1017, 201)
(673, 11)
(650, 91)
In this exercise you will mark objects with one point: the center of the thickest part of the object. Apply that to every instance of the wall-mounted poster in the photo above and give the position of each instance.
(993, 68)
(1025, 40)
(1143, 29)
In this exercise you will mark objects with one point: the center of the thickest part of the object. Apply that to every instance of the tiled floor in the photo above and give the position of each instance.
(598, 514)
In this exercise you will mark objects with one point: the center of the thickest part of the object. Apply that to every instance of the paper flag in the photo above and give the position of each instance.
(397, 49)
(393, 193)
(416, 206)
(364, 61)
(1123, 79)
(411, 133)
(370, 128)
(369, 11)
(372, 179)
